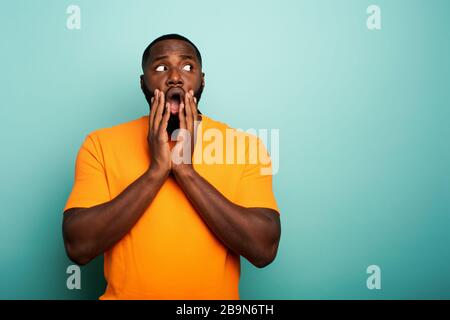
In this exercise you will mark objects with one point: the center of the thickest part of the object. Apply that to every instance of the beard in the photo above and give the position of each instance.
(174, 120)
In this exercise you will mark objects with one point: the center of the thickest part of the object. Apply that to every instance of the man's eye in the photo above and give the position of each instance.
(188, 67)
(160, 68)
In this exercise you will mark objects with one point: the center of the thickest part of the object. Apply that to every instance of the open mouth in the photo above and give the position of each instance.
(174, 96)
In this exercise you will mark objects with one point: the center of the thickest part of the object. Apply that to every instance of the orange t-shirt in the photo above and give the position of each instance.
(170, 253)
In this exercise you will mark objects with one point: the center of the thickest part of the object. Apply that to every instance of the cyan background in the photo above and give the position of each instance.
(364, 132)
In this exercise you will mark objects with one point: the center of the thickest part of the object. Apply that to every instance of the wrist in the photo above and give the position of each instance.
(183, 171)
(155, 172)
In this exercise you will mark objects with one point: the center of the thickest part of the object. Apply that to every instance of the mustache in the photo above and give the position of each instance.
(149, 95)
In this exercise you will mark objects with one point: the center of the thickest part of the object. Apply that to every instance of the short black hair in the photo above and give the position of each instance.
(172, 36)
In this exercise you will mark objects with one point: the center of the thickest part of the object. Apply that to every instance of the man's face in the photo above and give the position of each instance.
(173, 68)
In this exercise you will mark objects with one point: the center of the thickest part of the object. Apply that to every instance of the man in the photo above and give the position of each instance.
(169, 228)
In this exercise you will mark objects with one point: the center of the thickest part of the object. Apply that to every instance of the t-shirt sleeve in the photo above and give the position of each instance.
(255, 186)
(90, 186)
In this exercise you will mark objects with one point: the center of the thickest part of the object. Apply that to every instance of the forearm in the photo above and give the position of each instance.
(251, 232)
(89, 232)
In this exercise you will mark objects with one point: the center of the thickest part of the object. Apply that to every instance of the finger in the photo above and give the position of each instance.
(181, 116)
(194, 107)
(195, 113)
(194, 117)
(189, 120)
(155, 100)
(165, 119)
(192, 111)
(159, 111)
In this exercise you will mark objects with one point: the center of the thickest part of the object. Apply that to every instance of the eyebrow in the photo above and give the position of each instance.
(184, 56)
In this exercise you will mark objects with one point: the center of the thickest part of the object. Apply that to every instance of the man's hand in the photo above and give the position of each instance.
(186, 137)
(157, 138)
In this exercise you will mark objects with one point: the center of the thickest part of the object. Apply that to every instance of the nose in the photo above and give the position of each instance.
(174, 79)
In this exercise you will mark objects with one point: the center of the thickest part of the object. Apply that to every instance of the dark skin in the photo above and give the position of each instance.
(253, 233)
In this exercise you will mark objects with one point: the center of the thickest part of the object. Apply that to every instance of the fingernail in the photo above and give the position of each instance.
(151, 100)
(195, 99)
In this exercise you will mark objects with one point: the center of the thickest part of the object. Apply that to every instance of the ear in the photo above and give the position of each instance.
(142, 82)
(203, 79)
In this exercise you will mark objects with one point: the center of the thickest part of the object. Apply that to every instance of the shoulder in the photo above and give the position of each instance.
(120, 131)
(234, 140)
(210, 123)
(227, 129)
